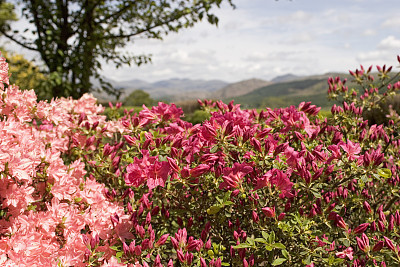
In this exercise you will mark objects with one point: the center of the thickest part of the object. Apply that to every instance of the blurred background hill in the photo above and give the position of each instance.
(281, 91)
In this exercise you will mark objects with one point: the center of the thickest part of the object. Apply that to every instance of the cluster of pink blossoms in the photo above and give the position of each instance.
(47, 204)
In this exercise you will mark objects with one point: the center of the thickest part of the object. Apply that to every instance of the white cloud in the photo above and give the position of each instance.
(303, 37)
(389, 42)
(385, 52)
(297, 17)
(369, 32)
(392, 22)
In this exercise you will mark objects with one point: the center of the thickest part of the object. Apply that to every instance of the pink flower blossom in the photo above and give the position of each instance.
(352, 149)
(348, 252)
(233, 177)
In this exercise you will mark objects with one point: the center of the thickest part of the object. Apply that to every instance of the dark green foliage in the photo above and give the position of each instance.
(198, 116)
(379, 114)
(113, 113)
(271, 93)
(7, 14)
(138, 98)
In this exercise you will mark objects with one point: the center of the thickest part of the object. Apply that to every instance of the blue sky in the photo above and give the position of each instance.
(266, 38)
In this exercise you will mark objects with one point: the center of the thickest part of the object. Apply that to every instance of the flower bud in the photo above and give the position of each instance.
(138, 250)
(281, 216)
(180, 255)
(378, 246)
(391, 222)
(367, 207)
(162, 240)
(381, 226)
(269, 212)
(255, 217)
(207, 245)
(361, 228)
(389, 244)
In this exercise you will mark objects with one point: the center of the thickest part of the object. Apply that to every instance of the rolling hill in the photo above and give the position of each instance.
(239, 88)
(281, 91)
(286, 93)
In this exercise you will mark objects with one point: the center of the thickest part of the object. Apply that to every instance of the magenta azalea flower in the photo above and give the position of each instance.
(352, 149)
(147, 169)
(233, 177)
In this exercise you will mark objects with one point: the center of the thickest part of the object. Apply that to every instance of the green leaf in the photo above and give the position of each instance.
(265, 235)
(243, 245)
(250, 241)
(119, 254)
(268, 247)
(227, 203)
(385, 173)
(279, 245)
(316, 193)
(272, 237)
(278, 261)
(214, 149)
(285, 253)
(261, 240)
(346, 242)
(213, 209)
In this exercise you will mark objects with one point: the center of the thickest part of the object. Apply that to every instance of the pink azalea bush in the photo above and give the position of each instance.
(244, 188)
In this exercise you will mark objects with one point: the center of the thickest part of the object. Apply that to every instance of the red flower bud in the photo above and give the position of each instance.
(162, 240)
(340, 222)
(389, 244)
(255, 217)
(361, 228)
(180, 255)
(281, 216)
(203, 262)
(199, 170)
(378, 246)
(269, 212)
(381, 226)
(367, 207)
(130, 140)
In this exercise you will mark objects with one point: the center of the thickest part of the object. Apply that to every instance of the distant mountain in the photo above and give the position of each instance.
(190, 85)
(184, 89)
(281, 91)
(282, 94)
(239, 88)
(285, 78)
(171, 89)
(136, 83)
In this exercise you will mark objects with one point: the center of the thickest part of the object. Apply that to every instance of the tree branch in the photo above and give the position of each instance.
(24, 45)
(147, 29)
(116, 14)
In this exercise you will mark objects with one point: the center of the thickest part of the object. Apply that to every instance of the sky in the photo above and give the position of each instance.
(267, 38)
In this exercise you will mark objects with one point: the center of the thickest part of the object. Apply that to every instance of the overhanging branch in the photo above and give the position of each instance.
(12, 38)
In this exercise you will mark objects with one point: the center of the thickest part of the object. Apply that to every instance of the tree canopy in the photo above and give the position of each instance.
(138, 98)
(73, 36)
(7, 14)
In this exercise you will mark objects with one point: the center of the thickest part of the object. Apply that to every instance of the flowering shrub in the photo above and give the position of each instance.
(280, 187)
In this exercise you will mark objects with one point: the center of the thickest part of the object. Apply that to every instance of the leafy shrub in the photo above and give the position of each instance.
(197, 117)
(277, 187)
(138, 98)
(188, 106)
